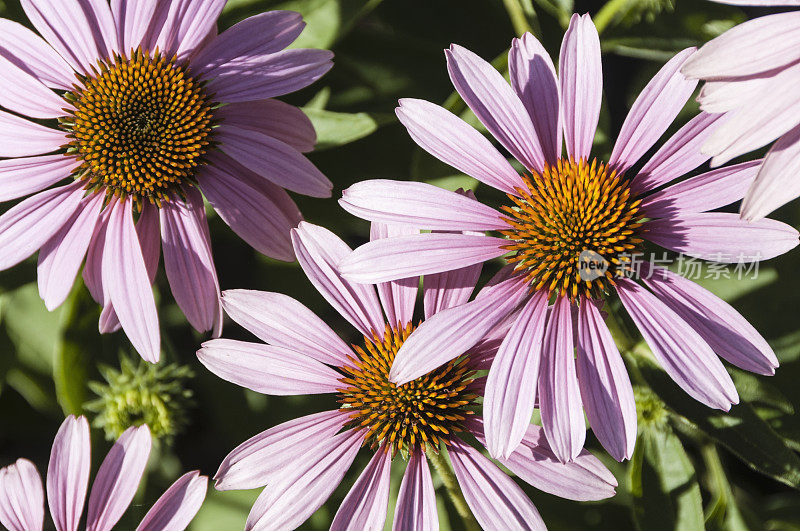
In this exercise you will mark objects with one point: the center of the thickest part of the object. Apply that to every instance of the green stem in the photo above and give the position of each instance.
(608, 13)
(521, 19)
(445, 471)
(621, 336)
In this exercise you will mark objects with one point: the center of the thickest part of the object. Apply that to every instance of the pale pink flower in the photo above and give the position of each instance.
(567, 209)
(752, 73)
(302, 461)
(22, 496)
(153, 108)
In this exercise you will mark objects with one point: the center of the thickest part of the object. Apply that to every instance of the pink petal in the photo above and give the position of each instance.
(777, 182)
(451, 333)
(32, 54)
(21, 177)
(21, 138)
(454, 142)
(416, 501)
(398, 297)
(61, 256)
(495, 104)
(268, 76)
(280, 320)
(449, 289)
(132, 19)
(68, 473)
(274, 160)
(419, 205)
(176, 508)
(28, 225)
(268, 369)
(125, 279)
(722, 237)
(92, 269)
(267, 457)
(273, 118)
(422, 254)
(366, 503)
(704, 192)
(679, 349)
(22, 93)
(724, 329)
(118, 478)
(559, 394)
(534, 79)
(149, 231)
(496, 501)
(21, 497)
(108, 322)
(581, 78)
(319, 252)
(606, 390)
(653, 112)
(511, 387)
(188, 24)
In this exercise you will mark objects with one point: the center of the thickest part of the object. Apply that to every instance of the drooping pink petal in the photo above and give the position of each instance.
(108, 322)
(273, 118)
(256, 36)
(366, 503)
(534, 79)
(21, 497)
(740, 51)
(24, 176)
(268, 369)
(274, 160)
(133, 19)
(496, 501)
(581, 81)
(93, 268)
(511, 386)
(451, 288)
(416, 502)
(31, 53)
(280, 320)
(319, 252)
(268, 76)
(187, 25)
(679, 349)
(704, 192)
(722, 237)
(176, 508)
(265, 458)
(61, 256)
(21, 92)
(398, 297)
(118, 478)
(68, 473)
(605, 388)
(148, 228)
(777, 182)
(22, 138)
(559, 393)
(125, 280)
(420, 205)
(307, 484)
(422, 254)
(653, 112)
(454, 142)
(678, 156)
(724, 329)
(28, 225)
(452, 332)
(495, 104)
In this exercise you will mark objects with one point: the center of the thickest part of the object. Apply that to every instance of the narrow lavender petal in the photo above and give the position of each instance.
(187, 25)
(22, 138)
(581, 79)
(132, 19)
(398, 297)
(416, 501)
(148, 229)
(21, 177)
(21, 92)
(511, 387)
(118, 478)
(108, 322)
(451, 288)
(366, 503)
(93, 268)
(273, 118)
(176, 508)
(679, 349)
(776, 183)
(31, 53)
(21, 497)
(68, 473)
(262, 459)
(496, 501)
(606, 390)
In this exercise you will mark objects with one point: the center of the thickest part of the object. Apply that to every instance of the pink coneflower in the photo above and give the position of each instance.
(561, 209)
(302, 461)
(153, 107)
(752, 73)
(22, 496)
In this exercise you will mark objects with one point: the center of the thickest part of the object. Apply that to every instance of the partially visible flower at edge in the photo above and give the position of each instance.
(22, 496)
(302, 461)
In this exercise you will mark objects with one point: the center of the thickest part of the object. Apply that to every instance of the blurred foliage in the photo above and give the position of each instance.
(693, 467)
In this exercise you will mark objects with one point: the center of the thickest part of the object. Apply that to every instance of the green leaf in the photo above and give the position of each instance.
(339, 128)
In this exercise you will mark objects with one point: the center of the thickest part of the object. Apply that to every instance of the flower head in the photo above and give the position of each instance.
(22, 496)
(302, 461)
(573, 232)
(145, 109)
